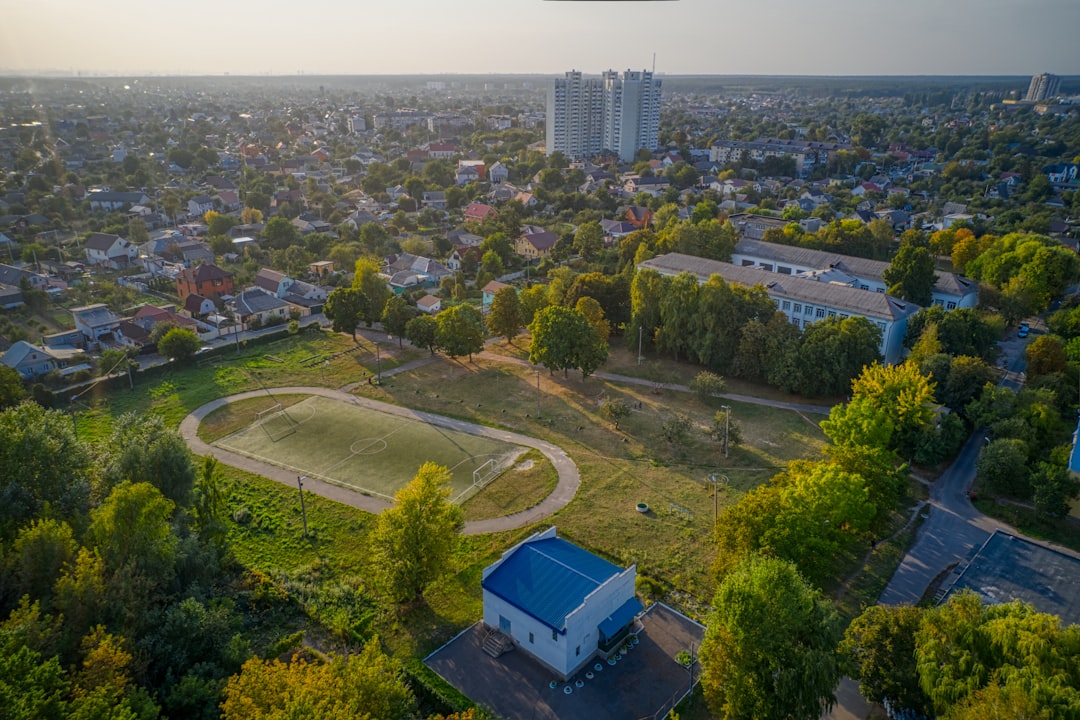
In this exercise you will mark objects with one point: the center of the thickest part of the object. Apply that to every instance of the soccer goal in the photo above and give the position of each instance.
(483, 475)
(276, 422)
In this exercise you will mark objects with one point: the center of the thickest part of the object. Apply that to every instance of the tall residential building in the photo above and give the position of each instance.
(586, 116)
(1043, 87)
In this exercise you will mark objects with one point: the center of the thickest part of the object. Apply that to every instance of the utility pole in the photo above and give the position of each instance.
(640, 333)
(378, 363)
(303, 509)
(537, 393)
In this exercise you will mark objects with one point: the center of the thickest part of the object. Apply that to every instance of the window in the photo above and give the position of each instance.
(844, 315)
(820, 313)
(881, 290)
(577, 650)
(747, 263)
(809, 310)
(786, 305)
(864, 287)
(881, 325)
(555, 635)
(832, 313)
(766, 266)
(783, 270)
(798, 308)
(950, 306)
(795, 322)
(531, 638)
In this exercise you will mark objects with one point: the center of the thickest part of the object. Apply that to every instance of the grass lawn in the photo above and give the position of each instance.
(530, 480)
(304, 359)
(620, 468)
(365, 449)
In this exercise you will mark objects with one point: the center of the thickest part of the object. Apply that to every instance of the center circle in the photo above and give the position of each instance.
(367, 446)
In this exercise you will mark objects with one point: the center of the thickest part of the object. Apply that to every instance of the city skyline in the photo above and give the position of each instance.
(776, 37)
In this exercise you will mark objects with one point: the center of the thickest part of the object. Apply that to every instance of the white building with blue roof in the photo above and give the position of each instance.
(561, 604)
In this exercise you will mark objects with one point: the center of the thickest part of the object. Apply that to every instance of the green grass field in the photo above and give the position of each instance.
(362, 448)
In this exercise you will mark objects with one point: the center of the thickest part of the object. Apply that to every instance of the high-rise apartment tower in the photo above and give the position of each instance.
(1043, 87)
(586, 116)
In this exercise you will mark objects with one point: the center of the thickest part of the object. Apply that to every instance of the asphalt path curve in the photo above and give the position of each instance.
(560, 497)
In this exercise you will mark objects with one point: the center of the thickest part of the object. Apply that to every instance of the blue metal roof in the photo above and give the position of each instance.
(619, 619)
(548, 579)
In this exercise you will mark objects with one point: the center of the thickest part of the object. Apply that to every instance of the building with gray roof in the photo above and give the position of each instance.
(803, 300)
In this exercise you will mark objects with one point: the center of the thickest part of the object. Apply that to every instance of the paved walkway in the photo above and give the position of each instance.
(565, 489)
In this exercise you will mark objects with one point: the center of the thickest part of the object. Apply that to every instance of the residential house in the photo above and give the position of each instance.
(31, 360)
(435, 199)
(951, 291)
(804, 300)
(498, 173)
(97, 324)
(321, 268)
(460, 254)
(637, 215)
(197, 306)
(429, 305)
(199, 206)
(479, 212)
(559, 603)
(206, 280)
(527, 199)
(259, 307)
(489, 291)
(535, 242)
(407, 270)
(10, 275)
(110, 251)
(11, 297)
(754, 226)
(108, 201)
(467, 174)
(655, 186)
(614, 230)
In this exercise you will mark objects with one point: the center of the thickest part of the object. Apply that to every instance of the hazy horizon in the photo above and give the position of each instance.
(531, 37)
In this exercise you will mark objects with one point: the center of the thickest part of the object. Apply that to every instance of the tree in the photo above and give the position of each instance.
(770, 647)
(170, 203)
(835, 350)
(137, 232)
(880, 644)
(905, 395)
(563, 338)
(42, 551)
(911, 275)
(280, 233)
(414, 541)
(131, 532)
(1002, 467)
(142, 449)
(396, 315)
(113, 360)
(460, 331)
(589, 239)
(12, 391)
(218, 224)
(1045, 355)
(346, 307)
(505, 317)
(708, 384)
(421, 331)
(369, 280)
(179, 344)
(615, 411)
(676, 429)
(592, 311)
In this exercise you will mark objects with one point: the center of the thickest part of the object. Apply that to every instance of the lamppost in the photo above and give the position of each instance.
(303, 509)
(538, 393)
(727, 427)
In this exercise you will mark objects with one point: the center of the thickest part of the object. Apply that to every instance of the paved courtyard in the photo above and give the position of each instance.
(643, 684)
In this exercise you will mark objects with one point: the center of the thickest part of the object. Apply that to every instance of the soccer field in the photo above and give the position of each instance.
(365, 449)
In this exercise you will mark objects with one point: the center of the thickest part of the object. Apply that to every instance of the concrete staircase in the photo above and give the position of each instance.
(496, 643)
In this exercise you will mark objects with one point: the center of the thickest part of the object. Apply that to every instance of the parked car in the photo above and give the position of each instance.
(1023, 331)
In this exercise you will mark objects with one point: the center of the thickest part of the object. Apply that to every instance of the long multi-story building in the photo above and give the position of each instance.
(587, 116)
(804, 300)
(807, 154)
(1043, 87)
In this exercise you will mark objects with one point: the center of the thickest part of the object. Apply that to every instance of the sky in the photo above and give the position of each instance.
(366, 37)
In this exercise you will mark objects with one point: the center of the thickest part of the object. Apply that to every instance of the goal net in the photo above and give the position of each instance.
(483, 475)
(275, 422)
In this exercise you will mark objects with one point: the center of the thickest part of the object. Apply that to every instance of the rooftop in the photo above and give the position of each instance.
(548, 578)
(1008, 568)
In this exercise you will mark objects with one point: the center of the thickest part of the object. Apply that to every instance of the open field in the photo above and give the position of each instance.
(620, 468)
(309, 358)
(362, 448)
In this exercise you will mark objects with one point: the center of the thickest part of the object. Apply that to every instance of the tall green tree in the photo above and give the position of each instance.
(415, 540)
(770, 650)
(12, 391)
(563, 338)
(589, 240)
(834, 351)
(396, 315)
(142, 449)
(179, 344)
(911, 276)
(131, 531)
(367, 278)
(421, 331)
(346, 308)
(506, 317)
(460, 331)
(880, 644)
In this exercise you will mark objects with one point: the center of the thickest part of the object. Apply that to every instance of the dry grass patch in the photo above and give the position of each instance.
(530, 480)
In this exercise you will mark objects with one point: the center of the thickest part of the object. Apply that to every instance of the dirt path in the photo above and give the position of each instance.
(560, 497)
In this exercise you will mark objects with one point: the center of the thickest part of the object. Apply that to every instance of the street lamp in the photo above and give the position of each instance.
(538, 393)
(727, 427)
(303, 510)
(378, 363)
